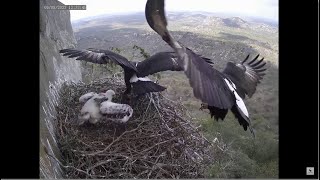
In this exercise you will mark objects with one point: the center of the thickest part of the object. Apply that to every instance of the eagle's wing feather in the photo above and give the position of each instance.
(246, 76)
(162, 61)
(207, 83)
(98, 56)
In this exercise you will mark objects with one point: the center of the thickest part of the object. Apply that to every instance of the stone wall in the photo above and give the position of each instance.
(55, 33)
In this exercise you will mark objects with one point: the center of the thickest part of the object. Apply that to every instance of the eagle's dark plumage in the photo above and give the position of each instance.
(219, 91)
(135, 73)
(246, 76)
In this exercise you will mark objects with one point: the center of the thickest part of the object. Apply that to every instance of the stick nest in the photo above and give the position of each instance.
(158, 141)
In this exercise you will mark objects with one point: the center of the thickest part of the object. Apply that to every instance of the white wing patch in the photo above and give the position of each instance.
(239, 100)
(134, 78)
(96, 53)
(174, 60)
(241, 104)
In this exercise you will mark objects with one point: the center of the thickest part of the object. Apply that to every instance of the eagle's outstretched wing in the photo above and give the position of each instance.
(162, 61)
(246, 76)
(98, 56)
(212, 87)
(208, 84)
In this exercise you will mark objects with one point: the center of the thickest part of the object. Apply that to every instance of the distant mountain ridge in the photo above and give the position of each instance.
(193, 19)
(201, 21)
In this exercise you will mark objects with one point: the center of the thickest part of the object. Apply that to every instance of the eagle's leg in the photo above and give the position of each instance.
(136, 98)
(204, 106)
(125, 99)
(125, 96)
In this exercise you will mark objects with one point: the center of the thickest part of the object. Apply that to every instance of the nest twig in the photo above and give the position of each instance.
(159, 141)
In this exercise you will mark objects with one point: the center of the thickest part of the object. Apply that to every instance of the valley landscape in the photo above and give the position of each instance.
(221, 39)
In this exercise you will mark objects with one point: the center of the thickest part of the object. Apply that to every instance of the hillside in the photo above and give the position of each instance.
(221, 39)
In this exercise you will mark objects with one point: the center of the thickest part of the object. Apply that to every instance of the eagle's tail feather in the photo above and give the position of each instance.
(143, 87)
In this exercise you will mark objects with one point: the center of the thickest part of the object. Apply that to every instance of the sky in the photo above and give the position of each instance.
(267, 9)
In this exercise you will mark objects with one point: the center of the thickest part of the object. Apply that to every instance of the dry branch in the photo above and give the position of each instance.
(159, 141)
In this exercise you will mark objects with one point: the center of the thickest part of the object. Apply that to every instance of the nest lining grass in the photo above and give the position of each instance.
(158, 141)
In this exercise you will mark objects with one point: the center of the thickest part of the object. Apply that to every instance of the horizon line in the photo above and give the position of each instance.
(229, 15)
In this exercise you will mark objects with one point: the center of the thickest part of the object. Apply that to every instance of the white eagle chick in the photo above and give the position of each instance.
(90, 110)
(114, 111)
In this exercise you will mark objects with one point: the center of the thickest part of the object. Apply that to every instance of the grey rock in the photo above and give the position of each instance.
(55, 33)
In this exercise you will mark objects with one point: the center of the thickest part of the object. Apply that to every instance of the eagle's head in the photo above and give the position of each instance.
(109, 94)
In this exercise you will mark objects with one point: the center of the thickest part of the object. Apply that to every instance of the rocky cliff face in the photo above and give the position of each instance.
(55, 33)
